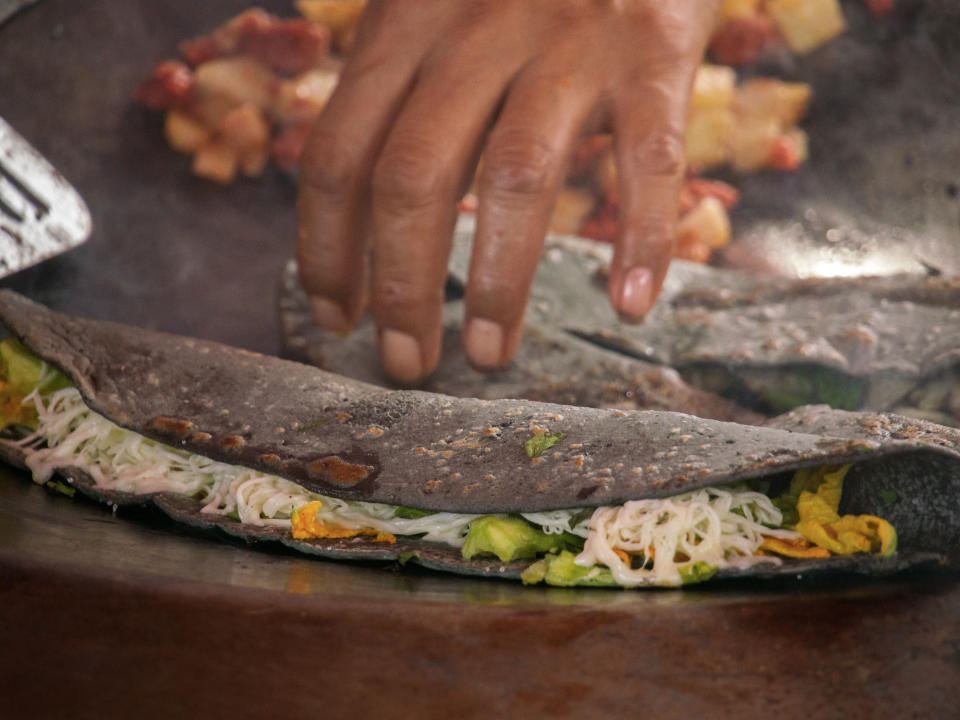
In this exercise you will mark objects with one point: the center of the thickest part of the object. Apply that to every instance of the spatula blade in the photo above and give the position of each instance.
(41, 215)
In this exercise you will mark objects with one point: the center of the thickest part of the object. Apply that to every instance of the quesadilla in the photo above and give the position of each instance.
(268, 449)
(769, 343)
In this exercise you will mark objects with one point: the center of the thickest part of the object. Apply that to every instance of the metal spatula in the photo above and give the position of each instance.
(9, 7)
(41, 215)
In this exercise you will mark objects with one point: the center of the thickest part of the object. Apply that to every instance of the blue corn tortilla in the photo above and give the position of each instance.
(435, 452)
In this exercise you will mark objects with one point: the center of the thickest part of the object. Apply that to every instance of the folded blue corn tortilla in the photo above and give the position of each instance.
(268, 449)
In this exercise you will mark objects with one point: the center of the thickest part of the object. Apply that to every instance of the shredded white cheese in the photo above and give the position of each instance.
(721, 527)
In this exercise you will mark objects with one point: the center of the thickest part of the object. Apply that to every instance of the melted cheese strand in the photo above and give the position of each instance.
(555, 522)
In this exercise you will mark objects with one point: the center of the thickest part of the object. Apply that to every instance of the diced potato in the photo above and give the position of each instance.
(244, 129)
(184, 133)
(693, 251)
(707, 223)
(254, 162)
(707, 135)
(764, 97)
(572, 208)
(233, 81)
(216, 161)
(335, 14)
(303, 97)
(751, 142)
(340, 16)
(714, 88)
(807, 24)
(739, 8)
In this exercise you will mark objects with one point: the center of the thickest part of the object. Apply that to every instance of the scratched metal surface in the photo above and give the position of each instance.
(41, 214)
(121, 616)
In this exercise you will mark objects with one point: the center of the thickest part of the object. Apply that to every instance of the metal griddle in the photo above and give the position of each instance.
(125, 615)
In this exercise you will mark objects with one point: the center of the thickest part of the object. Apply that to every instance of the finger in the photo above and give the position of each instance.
(524, 164)
(335, 169)
(649, 121)
(416, 183)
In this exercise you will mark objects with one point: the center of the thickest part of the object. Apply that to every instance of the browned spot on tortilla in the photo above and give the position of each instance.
(200, 436)
(337, 471)
(231, 441)
(343, 417)
(180, 428)
(586, 492)
(270, 458)
(470, 441)
(861, 334)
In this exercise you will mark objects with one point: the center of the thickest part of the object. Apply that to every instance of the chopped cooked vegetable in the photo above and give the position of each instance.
(61, 488)
(305, 525)
(541, 442)
(509, 538)
(561, 570)
(815, 493)
(22, 373)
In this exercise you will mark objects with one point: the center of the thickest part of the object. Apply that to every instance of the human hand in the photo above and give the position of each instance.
(432, 85)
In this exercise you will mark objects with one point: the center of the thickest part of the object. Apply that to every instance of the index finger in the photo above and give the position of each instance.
(649, 143)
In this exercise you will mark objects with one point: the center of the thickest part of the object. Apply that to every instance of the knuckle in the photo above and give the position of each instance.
(674, 38)
(410, 173)
(519, 163)
(402, 296)
(660, 154)
(648, 235)
(328, 167)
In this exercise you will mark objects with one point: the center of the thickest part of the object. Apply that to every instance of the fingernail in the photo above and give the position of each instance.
(329, 315)
(401, 356)
(637, 294)
(483, 341)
